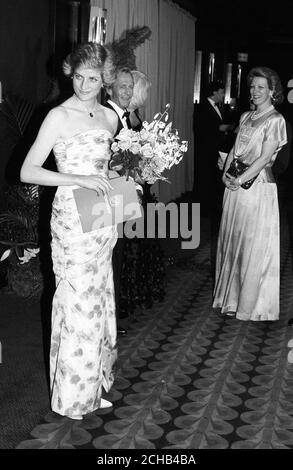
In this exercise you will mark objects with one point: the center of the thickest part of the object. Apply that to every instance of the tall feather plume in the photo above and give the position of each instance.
(122, 50)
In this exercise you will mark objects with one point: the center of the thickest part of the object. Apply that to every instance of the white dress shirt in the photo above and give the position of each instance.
(120, 112)
(215, 107)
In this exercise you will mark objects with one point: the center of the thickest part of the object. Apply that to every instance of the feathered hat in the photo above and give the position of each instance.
(121, 51)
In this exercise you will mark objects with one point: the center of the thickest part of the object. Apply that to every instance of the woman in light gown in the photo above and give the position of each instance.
(83, 340)
(139, 96)
(247, 265)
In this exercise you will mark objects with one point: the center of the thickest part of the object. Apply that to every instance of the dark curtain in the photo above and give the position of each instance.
(25, 48)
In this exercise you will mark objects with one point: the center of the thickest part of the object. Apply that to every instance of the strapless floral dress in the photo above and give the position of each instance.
(83, 339)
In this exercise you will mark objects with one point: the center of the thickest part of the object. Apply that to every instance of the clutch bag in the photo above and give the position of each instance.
(236, 169)
(96, 211)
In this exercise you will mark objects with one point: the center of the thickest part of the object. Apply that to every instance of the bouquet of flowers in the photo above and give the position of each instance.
(147, 153)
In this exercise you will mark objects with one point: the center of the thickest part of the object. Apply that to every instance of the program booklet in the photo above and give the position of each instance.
(96, 211)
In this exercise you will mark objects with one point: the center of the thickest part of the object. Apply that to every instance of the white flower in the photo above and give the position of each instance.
(157, 146)
(114, 147)
(124, 144)
(124, 134)
(144, 134)
(28, 254)
(160, 164)
(5, 254)
(135, 136)
(168, 128)
(147, 151)
(135, 148)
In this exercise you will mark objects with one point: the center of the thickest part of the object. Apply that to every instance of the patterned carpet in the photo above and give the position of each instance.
(189, 379)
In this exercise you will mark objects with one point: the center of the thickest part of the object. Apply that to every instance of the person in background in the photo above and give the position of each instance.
(136, 106)
(248, 260)
(283, 158)
(209, 131)
(143, 271)
(83, 340)
(140, 93)
(210, 134)
(119, 95)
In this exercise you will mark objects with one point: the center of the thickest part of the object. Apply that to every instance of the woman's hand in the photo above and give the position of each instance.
(138, 179)
(230, 182)
(97, 183)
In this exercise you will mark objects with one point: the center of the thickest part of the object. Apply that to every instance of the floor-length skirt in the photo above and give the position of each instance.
(248, 260)
(83, 338)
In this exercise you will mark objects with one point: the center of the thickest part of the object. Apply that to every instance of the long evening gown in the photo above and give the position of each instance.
(83, 340)
(247, 265)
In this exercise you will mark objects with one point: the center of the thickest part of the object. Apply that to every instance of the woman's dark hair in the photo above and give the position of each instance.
(216, 85)
(274, 82)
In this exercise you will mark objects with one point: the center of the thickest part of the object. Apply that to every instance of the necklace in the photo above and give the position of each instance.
(91, 112)
(255, 115)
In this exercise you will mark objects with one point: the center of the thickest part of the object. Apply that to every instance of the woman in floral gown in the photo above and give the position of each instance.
(247, 265)
(83, 340)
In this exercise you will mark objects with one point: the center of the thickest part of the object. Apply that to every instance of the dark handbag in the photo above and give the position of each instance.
(236, 169)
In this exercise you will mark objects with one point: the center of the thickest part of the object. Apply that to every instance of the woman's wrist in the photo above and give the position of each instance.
(239, 181)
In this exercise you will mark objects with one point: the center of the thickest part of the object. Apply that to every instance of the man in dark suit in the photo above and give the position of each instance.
(209, 141)
(119, 96)
(209, 131)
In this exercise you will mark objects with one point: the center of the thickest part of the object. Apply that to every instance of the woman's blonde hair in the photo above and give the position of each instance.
(273, 80)
(91, 55)
(140, 89)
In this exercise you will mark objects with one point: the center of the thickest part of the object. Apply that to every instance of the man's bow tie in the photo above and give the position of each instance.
(126, 116)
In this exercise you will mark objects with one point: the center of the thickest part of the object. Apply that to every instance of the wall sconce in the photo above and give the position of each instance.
(74, 20)
(233, 104)
(211, 66)
(290, 93)
(197, 76)
(228, 83)
(238, 83)
(242, 57)
(98, 23)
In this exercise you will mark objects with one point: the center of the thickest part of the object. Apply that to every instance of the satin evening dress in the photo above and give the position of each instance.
(247, 278)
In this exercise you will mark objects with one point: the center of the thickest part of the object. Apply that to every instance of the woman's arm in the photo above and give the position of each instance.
(226, 177)
(275, 136)
(228, 160)
(32, 170)
(268, 149)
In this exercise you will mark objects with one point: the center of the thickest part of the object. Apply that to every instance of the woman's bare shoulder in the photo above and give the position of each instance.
(110, 113)
(112, 117)
(58, 114)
